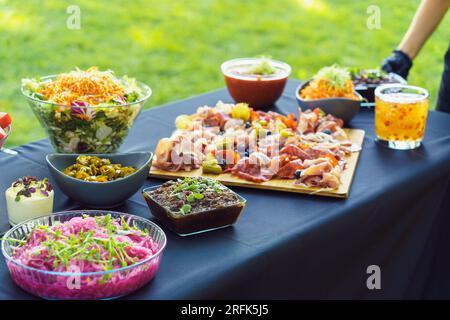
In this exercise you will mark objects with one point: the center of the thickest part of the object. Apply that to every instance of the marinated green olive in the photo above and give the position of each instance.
(95, 169)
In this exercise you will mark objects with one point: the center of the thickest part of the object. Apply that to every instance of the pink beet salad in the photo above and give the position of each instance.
(97, 245)
(89, 243)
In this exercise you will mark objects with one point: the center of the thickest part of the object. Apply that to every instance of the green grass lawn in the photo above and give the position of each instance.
(177, 46)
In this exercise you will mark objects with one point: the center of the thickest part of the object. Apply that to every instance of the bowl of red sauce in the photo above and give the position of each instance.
(256, 81)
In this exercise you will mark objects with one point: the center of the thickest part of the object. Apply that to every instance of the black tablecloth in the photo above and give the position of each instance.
(288, 245)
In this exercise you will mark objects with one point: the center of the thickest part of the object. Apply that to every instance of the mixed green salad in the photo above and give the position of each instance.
(86, 111)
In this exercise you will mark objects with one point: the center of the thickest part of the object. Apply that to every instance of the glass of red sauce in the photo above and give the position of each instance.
(256, 81)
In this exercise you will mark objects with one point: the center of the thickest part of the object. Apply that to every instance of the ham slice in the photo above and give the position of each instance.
(306, 121)
(235, 124)
(331, 179)
(316, 167)
(332, 126)
(162, 153)
(288, 170)
(293, 150)
(329, 122)
(215, 118)
(251, 171)
(173, 155)
(320, 173)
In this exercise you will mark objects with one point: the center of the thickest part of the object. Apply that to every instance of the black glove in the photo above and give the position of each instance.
(398, 62)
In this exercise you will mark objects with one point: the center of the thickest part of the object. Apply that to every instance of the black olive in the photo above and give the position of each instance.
(298, 173)
(240, 148)
(327, 131)
(248, 124)
(221, 161)
(223, 165)
(269, 133)
(247, 153)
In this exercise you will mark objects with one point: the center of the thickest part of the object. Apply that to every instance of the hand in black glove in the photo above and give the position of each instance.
(398, 62)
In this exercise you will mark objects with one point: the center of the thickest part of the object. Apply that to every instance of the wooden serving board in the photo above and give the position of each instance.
(287, 185)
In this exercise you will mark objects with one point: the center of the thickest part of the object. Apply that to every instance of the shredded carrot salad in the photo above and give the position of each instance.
(91, 87)
(322, 88)
(330, 82)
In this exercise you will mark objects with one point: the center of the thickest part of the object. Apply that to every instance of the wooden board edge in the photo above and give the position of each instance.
(355, 156)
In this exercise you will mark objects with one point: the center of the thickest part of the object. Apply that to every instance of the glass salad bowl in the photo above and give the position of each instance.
(107, 284)
(86, 129)
(3, 140)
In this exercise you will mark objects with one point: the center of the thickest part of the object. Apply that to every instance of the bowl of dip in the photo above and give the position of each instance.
(256, 81)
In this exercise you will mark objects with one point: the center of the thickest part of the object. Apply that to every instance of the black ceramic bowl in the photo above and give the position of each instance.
(343, 108)
(101, 194)
(367, 90)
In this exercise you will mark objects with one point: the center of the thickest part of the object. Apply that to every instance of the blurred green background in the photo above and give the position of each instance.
(177, 46)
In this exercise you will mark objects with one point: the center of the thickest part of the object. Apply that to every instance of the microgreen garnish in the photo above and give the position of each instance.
(13, 241)
(188, 192)
(185, 209)
(105, 245)
(335, 75)
(262, 68)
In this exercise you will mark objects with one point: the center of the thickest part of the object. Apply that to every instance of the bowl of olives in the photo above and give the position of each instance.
(100, 180)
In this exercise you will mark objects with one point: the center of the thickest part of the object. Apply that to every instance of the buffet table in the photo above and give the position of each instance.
(288, 245)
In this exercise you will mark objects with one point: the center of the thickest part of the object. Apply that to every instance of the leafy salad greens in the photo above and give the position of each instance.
(87, 111)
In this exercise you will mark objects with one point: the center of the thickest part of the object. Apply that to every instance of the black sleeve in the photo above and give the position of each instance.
(443, 103)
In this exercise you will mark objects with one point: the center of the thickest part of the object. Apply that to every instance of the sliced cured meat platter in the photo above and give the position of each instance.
(356, 136)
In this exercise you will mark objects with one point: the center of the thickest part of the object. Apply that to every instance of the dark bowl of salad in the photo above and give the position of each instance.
(367, 80)
(256, 81)
(194, 205)
(332, 91)
(86, 111)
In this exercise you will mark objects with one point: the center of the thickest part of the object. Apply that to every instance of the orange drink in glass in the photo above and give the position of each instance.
(400, 115)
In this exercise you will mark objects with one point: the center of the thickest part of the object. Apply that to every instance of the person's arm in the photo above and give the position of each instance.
(428, 16)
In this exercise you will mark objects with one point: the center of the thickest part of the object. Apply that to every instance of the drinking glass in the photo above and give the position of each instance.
(400, 115)
(2, 142)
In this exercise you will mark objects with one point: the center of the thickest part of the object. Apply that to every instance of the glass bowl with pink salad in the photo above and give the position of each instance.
(86, 254)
